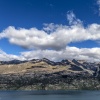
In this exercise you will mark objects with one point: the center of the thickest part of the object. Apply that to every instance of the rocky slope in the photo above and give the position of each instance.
(46, 74)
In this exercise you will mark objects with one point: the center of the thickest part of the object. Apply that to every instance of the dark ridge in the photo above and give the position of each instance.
(12, 62)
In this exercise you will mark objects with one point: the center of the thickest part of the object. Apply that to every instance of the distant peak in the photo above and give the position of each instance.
(45, 59)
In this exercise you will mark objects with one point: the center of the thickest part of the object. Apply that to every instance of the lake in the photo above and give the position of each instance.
(50, 95)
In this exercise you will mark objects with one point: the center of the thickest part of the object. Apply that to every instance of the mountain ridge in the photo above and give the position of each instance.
(43, 73)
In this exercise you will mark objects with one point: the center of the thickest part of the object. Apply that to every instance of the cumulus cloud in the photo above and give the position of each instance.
(52, 36)
(7, 57)
(52, 41)
(88, 54)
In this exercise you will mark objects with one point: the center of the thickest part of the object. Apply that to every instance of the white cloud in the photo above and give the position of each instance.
(58, 39)
(52, 36)
(51, 41)
(72, 19)
(6, 57)
(88, 54)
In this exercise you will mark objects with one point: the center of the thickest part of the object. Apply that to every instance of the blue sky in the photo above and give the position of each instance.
(55, 29)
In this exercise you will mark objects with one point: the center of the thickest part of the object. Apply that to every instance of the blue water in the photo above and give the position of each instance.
(49, 95)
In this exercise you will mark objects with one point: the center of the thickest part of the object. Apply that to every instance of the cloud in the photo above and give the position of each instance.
(52, 36)
(98, 3)
(72, 19)
(52, 41)
(7, 57)
(88, 54)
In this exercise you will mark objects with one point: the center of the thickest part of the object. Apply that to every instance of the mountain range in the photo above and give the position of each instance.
(43, 73)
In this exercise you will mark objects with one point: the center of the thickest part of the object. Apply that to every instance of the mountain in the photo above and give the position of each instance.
(46, 74)
(12, 62)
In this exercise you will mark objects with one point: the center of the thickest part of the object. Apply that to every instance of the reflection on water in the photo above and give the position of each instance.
(50, 95)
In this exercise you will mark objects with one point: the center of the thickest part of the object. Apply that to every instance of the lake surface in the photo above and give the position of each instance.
(49, 95)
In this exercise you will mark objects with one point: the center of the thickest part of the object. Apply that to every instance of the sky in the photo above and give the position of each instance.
(53, 29)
